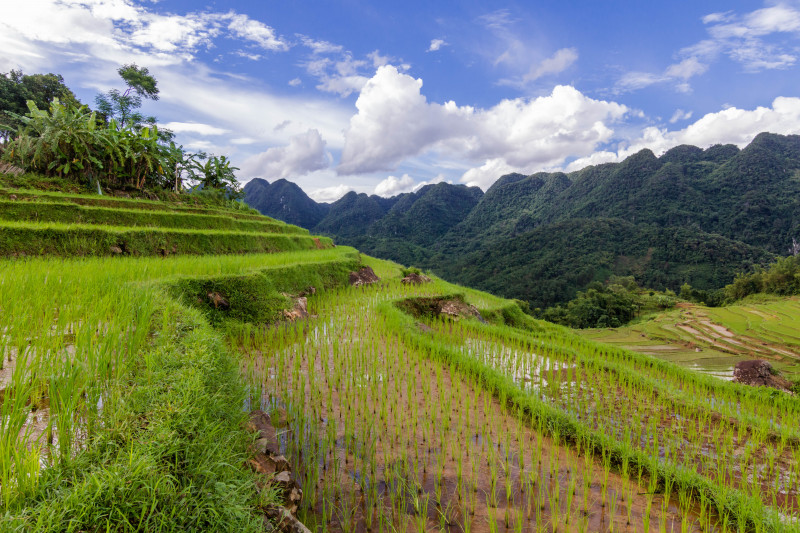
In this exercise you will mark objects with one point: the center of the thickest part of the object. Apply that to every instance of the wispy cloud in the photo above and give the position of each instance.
(758, 40)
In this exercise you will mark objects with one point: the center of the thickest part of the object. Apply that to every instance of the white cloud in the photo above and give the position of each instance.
(742, 38)
(341, 77)
(295, 82)
(440, 178)
(436, 44)
(680, 114)
(486, 174)
(305, 153)
(255, 31)
(116, 30)
(559, 62)
(395, 121)
(689, 67)
(679, 73)
(329, 194)
(194, 127)
(320, 47)
(243, 140)
(393, 186)
(597, 158)
(728, 126)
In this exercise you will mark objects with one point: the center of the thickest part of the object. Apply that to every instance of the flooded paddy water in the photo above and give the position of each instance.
(386, 437)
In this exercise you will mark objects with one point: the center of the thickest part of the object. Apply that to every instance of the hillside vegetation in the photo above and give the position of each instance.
(689, 216)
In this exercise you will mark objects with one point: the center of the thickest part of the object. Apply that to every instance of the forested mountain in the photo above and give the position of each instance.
(286, 200)
(690, 215)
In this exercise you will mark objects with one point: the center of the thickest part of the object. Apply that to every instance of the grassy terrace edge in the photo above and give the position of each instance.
(171, 457)
(71, 213)
(28, 238)
(26, 195)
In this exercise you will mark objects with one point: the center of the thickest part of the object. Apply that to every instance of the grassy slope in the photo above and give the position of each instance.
(169, 454)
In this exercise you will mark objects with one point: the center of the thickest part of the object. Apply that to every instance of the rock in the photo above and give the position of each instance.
(458, 308)
(299, 311)
(759, 373)
(309, 291)
(282, 520)
(260, 464)
(115, 249)
(365, 276)
(218, 301)
(415, 279)
(281, 463)
(291, 491)
(260, 422)
(12, 196)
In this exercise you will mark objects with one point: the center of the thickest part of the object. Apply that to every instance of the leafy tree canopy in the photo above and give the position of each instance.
(16, 89)
(123, 106)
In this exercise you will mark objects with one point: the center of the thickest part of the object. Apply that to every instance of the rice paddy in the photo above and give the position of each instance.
(123, 391)
(431, 424)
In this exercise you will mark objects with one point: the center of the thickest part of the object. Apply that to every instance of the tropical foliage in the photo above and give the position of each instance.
(114, 147)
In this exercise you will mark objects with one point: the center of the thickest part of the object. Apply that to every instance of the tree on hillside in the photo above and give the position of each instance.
(17, 88)
(123, 107)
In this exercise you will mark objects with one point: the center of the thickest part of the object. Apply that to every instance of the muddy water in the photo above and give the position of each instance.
(385, 437)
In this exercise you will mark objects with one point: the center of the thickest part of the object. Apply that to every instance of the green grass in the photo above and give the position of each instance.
(183, 203)
(70, 213)
(30, 238)
(164, 452)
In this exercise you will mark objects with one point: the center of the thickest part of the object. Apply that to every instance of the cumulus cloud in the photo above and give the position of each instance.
(340, 76)
(329, 194)
(438, 179)
(110, 29)
(486, 174)
(436, 44)
(393, 186)
(728, 126)
(305, 153)
(395, 121)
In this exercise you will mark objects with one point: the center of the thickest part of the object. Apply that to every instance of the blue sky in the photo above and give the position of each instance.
(383, 97)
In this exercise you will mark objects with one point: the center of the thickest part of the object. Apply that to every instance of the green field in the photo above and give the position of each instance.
(401, 409)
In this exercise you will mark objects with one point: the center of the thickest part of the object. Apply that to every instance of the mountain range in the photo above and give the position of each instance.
(689, 216)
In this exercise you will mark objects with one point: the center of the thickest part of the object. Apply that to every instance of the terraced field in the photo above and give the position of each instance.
(714, 339)
(402, 406)
(36, 224)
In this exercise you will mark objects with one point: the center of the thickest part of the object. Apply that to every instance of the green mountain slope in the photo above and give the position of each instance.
(737, 206)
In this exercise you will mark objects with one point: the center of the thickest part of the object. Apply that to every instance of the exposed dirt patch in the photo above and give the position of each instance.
(449, 306)
(415, 278)
(365, 276)
(759, 373)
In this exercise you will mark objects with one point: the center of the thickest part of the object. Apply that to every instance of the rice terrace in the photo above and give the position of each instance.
(407, 406)
(509, 302)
